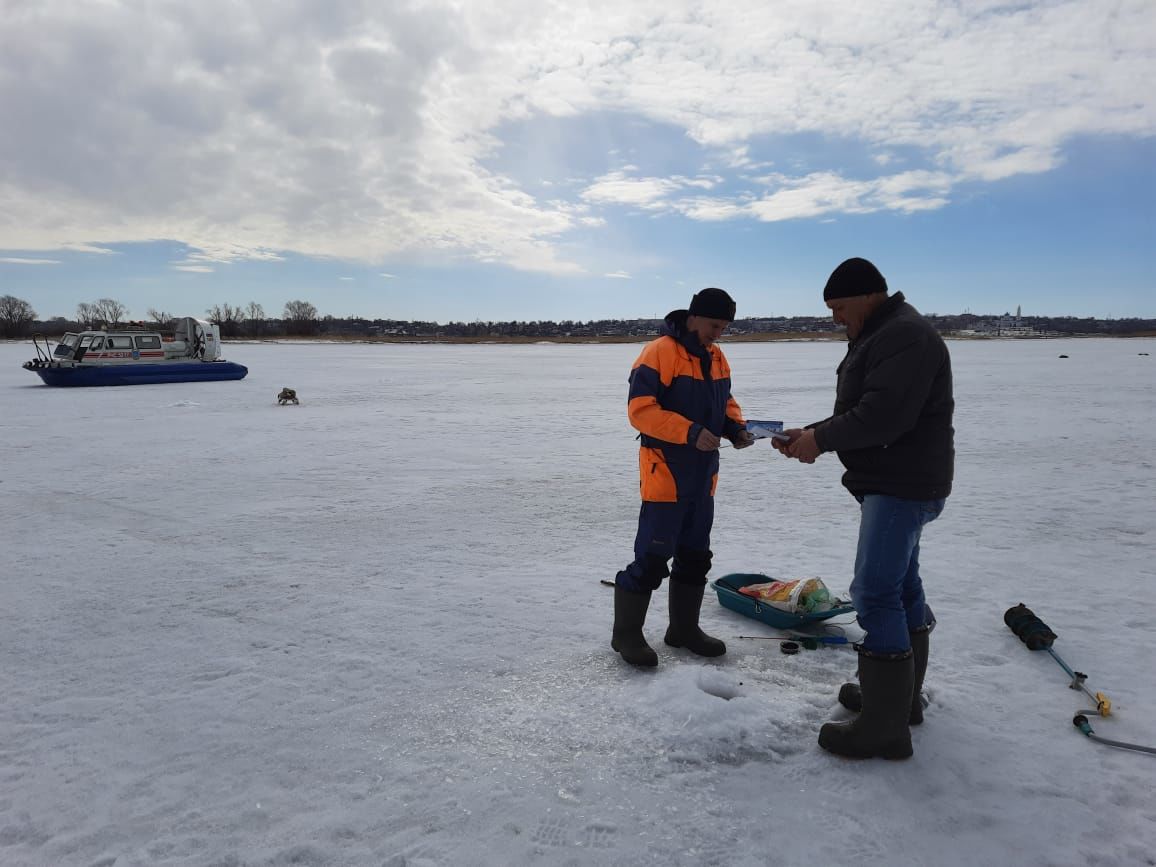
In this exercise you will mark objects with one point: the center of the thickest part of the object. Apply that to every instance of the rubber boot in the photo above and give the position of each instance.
(627, 639)
(920, 645)
(852, 699)
(881, 728)
(685, 604)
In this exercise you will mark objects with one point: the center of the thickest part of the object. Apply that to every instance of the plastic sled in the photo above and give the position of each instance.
(727, 588)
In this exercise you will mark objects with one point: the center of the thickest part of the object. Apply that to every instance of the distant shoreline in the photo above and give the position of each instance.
(768, 337)
(773, 337)
(800, 337)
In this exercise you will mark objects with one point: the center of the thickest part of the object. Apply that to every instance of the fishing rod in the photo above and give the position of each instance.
(789, 643)
(1037, 635)
(810, 642)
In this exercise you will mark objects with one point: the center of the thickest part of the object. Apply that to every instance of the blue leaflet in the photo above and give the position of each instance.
(763, 429)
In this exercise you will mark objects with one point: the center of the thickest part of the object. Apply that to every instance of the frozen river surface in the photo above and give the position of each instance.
(369, 630)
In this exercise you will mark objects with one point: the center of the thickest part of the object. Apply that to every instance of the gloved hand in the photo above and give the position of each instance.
(743, 439)
(706, 441)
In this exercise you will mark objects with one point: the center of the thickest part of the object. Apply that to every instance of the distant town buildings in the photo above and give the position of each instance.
(966, 325)
(1006, 326)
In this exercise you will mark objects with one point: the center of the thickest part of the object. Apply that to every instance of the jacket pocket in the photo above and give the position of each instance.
(656, 481)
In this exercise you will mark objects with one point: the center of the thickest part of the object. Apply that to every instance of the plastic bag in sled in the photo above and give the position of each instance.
(730, 596)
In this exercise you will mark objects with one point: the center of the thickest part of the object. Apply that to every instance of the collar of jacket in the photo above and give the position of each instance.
(881, 314)
(675, 326)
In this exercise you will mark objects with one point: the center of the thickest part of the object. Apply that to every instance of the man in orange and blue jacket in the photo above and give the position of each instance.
(680, 400)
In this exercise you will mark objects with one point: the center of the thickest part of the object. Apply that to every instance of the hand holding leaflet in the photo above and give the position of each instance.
(766, 429)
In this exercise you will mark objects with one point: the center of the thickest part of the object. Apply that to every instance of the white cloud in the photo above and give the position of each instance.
(16, 260)
(791, 198)
(194, 269)
(387, 276)
(224, 252)
(87, 248)
(812, 196)
(648, 193)
(345, 278)
(617, 188)
(618, 275)
(710, 210)
(828, 193)
(249, 130)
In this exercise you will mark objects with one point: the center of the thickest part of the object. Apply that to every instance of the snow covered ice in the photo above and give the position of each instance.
(369, 629)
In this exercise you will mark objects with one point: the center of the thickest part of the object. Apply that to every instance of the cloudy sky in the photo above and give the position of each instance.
(533, 159)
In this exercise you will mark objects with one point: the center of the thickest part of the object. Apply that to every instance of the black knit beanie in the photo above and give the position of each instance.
(854, 277)
(713, 304)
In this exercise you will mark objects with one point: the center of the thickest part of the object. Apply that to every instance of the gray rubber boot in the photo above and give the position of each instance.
(627, 639)
(685, 605)
(852, 699)
(881, 728)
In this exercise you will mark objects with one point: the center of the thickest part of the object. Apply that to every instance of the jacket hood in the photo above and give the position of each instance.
(674, 325)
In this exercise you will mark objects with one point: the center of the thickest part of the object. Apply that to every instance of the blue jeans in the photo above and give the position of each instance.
(887, 591)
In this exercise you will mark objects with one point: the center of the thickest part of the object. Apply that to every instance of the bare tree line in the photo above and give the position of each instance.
(17, 317)
(301, 319)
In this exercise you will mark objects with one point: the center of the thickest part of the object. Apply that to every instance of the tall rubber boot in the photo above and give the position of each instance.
(627, 639)
(685, 605)
(920, 645)
(881, 729)
(852, 699)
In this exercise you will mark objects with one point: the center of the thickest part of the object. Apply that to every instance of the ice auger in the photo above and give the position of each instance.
(1038, 636)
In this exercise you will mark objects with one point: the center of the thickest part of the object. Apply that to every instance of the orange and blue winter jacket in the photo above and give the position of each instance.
(678, 387)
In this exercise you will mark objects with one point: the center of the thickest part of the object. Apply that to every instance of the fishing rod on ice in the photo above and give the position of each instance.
(789, 642)
(797, 639)
(1037, 635)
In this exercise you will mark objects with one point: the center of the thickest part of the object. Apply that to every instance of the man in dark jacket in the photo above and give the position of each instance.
(892, 431)
(680, 402)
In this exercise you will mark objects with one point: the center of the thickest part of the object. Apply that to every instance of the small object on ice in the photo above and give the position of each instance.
(789, 647)
(287, 395)
(1063, 356)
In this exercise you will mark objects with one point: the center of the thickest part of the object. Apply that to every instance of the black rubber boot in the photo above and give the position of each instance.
(881, 728)
(685, 604)
(629, 615)
(852, 699)
(920, 644)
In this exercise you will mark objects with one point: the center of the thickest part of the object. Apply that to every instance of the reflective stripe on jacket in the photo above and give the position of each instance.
(677, 389)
